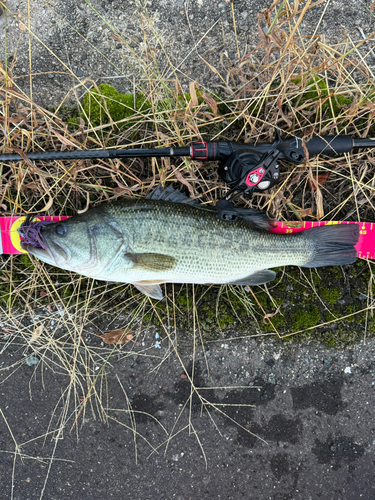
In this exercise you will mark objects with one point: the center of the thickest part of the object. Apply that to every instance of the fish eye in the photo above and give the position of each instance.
(61, 229)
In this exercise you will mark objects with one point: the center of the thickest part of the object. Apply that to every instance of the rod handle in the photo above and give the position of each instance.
(330, 145)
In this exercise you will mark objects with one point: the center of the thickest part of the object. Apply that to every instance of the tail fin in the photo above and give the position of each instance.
(334, 245)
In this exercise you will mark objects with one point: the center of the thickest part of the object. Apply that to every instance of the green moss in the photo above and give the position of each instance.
(26, 261)
(219, 309)
(263, 299)
(327, 103)
(300, 308)
(73, 123)
(316, 88)
(106, 103)
(305, 318)
(329, 343)
(66, 291)
(100, 106)
(183, 301)
(302, 305)
(330, 294)
(352, 309)
(331, 315)
(7, 298)
(225, 321)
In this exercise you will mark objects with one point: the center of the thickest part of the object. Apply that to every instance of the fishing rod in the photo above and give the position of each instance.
(246, 168)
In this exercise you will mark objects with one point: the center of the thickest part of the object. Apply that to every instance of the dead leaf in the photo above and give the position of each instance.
(320, 179)
(24, 157)
(164, 137)
(120, 336)
(313, 181)
(191, 126)
(118, 191)
(68, 142)
(31, 185)
(177, 115)
(304, 212)
(286, 119)
(193, 94)
(116, 37)
(43, 294)
(210, 101)
(37, 333)
(10, 120)
(20, 176)
(87, 205)
(292, 225)
(178, 90)
(183, 181)
(48, 204)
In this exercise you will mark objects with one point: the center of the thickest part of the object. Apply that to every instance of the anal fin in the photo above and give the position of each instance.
(257, 278)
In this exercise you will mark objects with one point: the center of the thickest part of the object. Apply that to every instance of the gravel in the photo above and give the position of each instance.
(75, 39)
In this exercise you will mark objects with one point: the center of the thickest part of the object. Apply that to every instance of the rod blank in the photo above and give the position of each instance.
(99, 154)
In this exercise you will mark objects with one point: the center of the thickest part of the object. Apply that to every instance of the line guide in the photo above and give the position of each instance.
(10, 239)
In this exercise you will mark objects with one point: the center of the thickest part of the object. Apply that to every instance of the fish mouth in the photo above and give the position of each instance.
(53, 254)
(41, 254)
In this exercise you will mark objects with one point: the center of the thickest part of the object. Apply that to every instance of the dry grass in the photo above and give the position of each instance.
(50, 315)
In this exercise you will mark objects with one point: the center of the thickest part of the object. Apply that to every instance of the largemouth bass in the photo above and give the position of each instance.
(164, 239)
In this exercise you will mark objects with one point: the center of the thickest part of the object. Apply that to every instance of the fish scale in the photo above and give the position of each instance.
(207, 249)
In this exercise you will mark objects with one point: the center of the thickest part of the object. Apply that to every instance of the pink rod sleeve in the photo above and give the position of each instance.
(10, 239)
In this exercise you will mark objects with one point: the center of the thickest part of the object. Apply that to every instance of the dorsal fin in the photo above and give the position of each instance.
(257, 218)
(170, 194)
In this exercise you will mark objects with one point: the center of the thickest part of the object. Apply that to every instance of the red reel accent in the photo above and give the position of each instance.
(255, 176)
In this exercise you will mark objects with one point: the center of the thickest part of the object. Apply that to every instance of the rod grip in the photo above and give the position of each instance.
(330, 145)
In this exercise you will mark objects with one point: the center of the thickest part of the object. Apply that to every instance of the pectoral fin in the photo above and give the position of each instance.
(152, 261)
(150, 288)
(257, 278)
